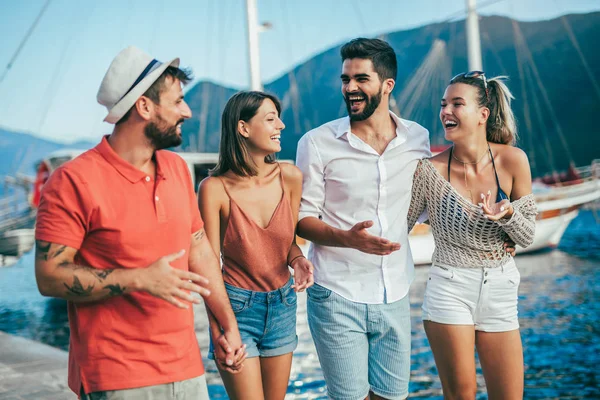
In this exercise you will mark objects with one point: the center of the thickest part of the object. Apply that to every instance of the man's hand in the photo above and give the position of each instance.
(510, 247)
(303, 274)
(358, 238)
(172, 284)
(226, 358)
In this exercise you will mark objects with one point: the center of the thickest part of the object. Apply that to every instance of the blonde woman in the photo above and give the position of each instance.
(478, 195)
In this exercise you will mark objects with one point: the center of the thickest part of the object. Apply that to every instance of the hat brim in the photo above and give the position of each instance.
(121, 108)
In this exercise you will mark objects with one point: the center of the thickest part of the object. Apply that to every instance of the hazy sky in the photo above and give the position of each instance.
(51, 88)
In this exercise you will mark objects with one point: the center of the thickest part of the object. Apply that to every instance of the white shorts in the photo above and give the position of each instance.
(483, 297)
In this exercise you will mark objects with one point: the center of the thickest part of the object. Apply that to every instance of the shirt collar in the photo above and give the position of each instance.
(128, 171)
(401, 128)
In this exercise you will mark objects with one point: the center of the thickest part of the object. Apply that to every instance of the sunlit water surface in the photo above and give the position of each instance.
(558, 313)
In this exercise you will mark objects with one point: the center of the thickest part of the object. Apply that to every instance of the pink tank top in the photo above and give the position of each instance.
(255, 258)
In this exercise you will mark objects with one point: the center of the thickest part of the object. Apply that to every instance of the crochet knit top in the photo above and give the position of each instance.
(463, 236)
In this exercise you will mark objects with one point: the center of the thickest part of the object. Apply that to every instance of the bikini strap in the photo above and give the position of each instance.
(494, 165)
(449, 160)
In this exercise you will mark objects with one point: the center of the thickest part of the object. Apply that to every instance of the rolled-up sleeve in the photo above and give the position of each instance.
(313, 182)
(64, 210)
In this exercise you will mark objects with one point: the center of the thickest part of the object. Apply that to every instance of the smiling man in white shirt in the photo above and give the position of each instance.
(358, 174)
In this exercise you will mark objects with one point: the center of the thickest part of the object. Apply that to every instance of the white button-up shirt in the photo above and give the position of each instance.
(345, 182)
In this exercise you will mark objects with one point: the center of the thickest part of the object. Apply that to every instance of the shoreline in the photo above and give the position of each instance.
(32, 370)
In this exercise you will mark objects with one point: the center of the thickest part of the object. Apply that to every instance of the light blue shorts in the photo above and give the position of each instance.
(266, 320)
(361, 347)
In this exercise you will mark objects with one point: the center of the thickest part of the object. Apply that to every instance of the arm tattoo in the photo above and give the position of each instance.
(115, 290)
(77, 289)
(199, 235)
(57, 253)
(41, 250)
(103, 274)
(46, 251)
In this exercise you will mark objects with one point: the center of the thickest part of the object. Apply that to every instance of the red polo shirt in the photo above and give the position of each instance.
(118, 217)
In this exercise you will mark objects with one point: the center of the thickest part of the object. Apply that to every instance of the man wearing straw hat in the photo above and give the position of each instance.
(119, 236)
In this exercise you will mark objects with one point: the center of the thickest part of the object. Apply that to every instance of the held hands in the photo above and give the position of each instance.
(303, 274)
(172, 284)
(226, 358)
(495, 211)
(358, 238)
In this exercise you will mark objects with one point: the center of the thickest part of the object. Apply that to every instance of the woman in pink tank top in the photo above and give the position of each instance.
(250, 205)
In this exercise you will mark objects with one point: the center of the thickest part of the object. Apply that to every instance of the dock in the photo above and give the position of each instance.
(32, 370)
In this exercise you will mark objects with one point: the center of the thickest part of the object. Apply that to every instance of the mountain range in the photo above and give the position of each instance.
(553, 66)
(20, 152)
(556, 103)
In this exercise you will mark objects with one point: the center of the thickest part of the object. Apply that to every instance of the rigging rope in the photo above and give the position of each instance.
(575, 43)
(361, 21)
(60, 70)
(294, 95)
(128, 17)
(461, 13)
(200, 144)
(541, 121)
(420, 81)
(24, 41)
(158, 17)
(538, 80)
(526, 112)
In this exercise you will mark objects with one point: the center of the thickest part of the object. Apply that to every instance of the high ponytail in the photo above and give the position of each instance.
(501, 126)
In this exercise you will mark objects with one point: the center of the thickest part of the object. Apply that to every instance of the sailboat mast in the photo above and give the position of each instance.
(253, 48)
(473, 38)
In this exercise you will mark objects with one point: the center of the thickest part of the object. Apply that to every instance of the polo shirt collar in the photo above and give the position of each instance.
(159, 162)
(128, 171)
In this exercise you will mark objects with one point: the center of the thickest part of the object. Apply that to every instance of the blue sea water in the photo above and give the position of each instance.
(558, 313)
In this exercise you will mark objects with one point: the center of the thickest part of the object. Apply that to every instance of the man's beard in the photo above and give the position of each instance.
(371, 104)
(161, 137)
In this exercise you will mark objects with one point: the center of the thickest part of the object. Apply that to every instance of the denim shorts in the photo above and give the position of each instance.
(361, 347)
(266, 320)
(483, 297)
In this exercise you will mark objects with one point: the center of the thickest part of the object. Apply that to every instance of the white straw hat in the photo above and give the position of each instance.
(130, 74)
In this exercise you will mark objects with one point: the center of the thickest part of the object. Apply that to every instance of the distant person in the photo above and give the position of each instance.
(358, 173)
(250, 205)
(120, 237)
(478, 195)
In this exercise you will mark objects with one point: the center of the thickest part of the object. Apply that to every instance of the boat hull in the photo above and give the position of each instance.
(17, 242)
